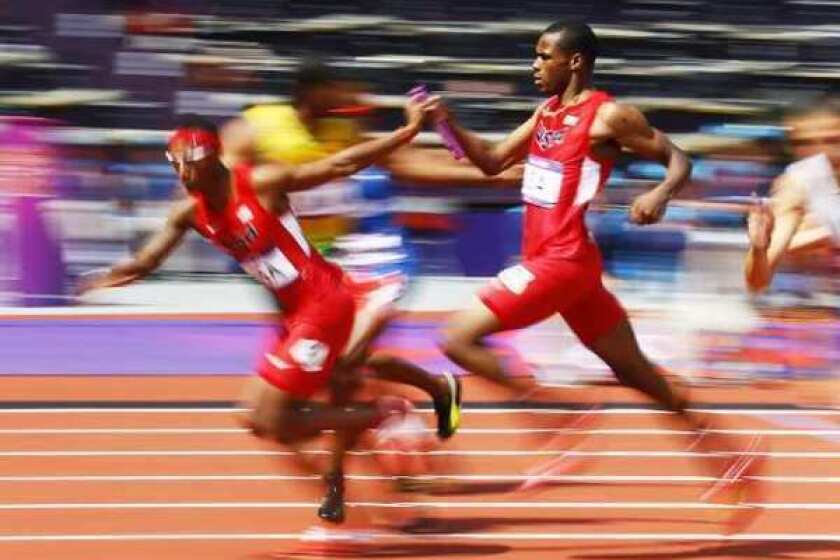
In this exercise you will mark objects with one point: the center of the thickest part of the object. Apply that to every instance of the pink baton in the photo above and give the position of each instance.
(420, 93)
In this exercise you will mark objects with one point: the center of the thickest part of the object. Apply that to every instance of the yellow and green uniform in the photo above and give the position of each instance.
(281, 136)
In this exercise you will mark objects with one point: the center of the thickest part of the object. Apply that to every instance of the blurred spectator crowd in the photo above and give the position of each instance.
(112, 75)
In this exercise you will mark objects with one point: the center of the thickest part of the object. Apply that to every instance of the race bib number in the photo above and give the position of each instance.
(542, 182)
(272, 269)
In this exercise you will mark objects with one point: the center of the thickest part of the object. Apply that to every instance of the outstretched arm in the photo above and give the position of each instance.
(491, 159)
(630, 129)
(150, 256)
(436, 167)
(281, 179)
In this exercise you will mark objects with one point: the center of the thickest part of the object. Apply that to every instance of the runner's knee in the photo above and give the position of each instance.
(454, 342)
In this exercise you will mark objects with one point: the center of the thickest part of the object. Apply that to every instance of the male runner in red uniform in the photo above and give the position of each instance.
(571, 143)
(245, 212)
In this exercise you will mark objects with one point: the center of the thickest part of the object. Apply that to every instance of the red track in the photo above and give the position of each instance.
(222, 502)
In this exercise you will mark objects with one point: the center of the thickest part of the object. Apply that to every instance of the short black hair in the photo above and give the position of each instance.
(312, 73)
(191, 120)
(575, 37)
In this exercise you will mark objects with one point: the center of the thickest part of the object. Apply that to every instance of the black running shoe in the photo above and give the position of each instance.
(448, 409)
(332, 506)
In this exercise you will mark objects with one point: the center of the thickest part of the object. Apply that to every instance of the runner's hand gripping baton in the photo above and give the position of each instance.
(421, 93)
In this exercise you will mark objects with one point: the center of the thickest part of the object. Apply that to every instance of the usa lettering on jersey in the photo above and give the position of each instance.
(546, 138)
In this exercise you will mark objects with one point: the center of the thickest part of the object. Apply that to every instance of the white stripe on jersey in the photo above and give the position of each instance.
(291, 224)
(590, 180)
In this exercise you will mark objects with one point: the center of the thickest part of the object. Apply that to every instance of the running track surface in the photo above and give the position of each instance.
(139, 467)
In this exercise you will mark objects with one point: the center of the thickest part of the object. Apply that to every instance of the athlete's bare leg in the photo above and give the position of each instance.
(444, 391)
(620, 351)
(388, 367)
(275, 414)
(462, 343)
(369, 323)
(278, 416)
(343, 386)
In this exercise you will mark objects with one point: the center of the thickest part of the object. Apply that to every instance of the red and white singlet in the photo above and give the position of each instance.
(561, 266)
(562, 176)
(270, 248)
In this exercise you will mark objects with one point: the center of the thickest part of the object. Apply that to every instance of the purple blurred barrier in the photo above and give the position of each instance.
(32, 267)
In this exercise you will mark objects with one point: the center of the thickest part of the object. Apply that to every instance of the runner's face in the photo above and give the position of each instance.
(814, 134)
(552, 67)
(192, 174)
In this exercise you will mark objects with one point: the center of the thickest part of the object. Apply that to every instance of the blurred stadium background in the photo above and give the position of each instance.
(90, 87)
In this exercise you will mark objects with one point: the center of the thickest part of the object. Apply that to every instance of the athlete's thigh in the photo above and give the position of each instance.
(474, 322)
(595, 315)
(375, 301)
(302, 358)
(302, 361)
(532, 291)
(369, 322)
(263, 405)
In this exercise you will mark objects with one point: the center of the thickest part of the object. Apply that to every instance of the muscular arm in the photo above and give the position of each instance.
(281, 179)
(631, 130)
(628, 127)
(433, 167)
(492, 159)
(151, 255)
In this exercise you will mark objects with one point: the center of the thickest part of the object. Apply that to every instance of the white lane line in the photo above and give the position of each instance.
(419, 505)
(586, 479)
(391, 537)
(462, 431)
(437, 452)
(467, 410)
